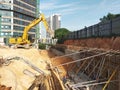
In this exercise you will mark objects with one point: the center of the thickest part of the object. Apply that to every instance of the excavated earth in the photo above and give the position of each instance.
(18, 74)
(12, 75)
(105, 43)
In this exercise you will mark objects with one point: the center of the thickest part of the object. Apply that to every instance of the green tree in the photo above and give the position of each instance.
(60, 34)
(109, 16)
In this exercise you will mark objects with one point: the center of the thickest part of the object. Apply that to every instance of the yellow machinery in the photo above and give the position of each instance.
(23, 40)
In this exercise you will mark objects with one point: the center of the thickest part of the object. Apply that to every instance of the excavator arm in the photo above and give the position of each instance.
(24, 39)
(47, 26)
(27, 28)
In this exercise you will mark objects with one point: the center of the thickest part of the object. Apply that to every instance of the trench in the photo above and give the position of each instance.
(87, 68)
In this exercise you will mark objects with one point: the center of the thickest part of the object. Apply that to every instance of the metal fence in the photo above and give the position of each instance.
(102, 29)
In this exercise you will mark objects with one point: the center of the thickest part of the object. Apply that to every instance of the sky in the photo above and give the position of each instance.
(76, 14)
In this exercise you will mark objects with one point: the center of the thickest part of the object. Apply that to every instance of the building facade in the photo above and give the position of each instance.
(15, 15)
(54, 22)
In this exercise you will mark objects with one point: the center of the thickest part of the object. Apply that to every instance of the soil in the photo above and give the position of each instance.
(50, 56)
(62, 69)
(104, 43)
(13, 75)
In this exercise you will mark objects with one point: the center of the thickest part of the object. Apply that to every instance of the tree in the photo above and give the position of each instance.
(60, 34)
(109, 16)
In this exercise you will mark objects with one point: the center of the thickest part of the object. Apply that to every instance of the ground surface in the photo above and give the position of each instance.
(13, 74)
(18, 74)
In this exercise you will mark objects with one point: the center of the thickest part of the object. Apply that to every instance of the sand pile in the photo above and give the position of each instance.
(18, 74)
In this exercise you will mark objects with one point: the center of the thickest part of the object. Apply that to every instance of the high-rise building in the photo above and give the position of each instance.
(54, 22)
(15, 15)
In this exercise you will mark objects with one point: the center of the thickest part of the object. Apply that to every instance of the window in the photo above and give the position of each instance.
(2, 34)
(2, 26)
(5, 26)
(6, 20)
(5, 13)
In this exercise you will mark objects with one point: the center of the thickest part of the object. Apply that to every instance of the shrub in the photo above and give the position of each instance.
(42, 46)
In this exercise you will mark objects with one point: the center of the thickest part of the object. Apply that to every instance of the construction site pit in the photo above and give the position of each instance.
(59, 68)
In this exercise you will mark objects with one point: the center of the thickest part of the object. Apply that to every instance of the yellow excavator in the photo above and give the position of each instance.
(24, 40)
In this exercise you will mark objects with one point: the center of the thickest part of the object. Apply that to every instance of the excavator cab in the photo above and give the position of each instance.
(31, 39)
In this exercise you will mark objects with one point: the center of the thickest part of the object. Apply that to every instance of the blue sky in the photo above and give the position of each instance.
(75, 14)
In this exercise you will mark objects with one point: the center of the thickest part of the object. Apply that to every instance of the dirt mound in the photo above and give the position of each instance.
(19, 74)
